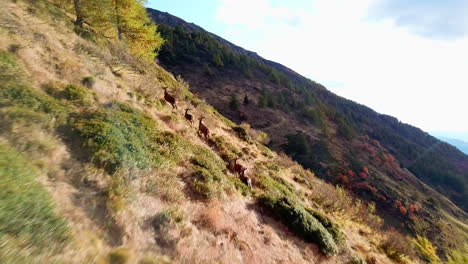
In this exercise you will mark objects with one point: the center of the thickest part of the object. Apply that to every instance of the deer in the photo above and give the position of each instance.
(234, 167)
(245, 179)
(188, 116)
(203, 129)
(169, 98)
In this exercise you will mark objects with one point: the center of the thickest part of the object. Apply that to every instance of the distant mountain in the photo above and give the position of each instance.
(374, 156)
(460, 144)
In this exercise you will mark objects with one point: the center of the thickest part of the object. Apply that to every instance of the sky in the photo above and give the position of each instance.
(408, 59)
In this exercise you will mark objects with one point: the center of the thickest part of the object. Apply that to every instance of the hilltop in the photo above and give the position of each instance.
(96, 167)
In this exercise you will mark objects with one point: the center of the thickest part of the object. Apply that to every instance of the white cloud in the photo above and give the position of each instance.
(377, 63)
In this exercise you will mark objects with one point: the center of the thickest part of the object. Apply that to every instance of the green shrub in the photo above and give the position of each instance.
(239, 185)
(169, 215)
(241, 133)
(119, 256)
(208, 177)
(78, 95)
(123, 137)
(226, 150)
(27, 217)
(88, 81)
(458, 256)
(332, 228)
(295, 216)
(427, 250)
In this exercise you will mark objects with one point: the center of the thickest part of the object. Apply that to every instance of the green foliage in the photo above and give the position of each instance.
(125, 20)
(234, 103)
(427, 250)
(123, 137)
(217, 60)
(241, 133)
(119, 256)
(27, 217)
(333, 228)
(295, 216)
(167, 216)
(458, 256)
(208, 177)
(77, 95)
(246, 100)
(88, 81)
(226, 150)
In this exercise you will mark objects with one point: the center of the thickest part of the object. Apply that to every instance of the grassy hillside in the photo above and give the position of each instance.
(95, 167)
(374, 156)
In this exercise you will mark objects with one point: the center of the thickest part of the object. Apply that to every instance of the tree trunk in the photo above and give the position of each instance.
(79, 13)
(117, 18)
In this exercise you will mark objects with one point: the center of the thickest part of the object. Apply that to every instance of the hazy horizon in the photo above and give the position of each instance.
(403, 59)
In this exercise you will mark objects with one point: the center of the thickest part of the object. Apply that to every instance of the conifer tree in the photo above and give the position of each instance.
(234, 103)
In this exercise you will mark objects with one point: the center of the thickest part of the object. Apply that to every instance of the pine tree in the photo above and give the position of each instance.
(246, 100)
(234, 103)
(217, 60)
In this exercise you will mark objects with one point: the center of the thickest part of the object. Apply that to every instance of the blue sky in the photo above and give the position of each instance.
(404, 58)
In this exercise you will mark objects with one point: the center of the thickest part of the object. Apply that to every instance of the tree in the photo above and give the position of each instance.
(217, 60)
(125, 20)
(234, 103)
(246, 100)
(79, 13)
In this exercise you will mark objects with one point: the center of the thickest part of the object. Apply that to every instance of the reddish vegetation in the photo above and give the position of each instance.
(362, 175)
(403, 210)
(365, 186)
(351, 173)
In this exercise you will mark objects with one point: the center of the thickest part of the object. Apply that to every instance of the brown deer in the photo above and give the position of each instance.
(169, 98)
(203, 129)
(245, 179)
(188, 116)
(234, 167)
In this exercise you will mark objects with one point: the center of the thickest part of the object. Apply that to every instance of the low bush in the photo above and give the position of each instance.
(120, 256)
(88, 81)
(292, 214)
(332, 228)
(241, 133)
(458, 256)
(396, 247)
(77, 95)
(426, 250)
(123, 137)
(226, 150)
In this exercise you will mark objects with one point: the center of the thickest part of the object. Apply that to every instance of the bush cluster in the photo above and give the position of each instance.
(300, 221)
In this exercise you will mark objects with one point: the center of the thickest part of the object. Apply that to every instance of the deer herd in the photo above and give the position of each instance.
(203, 130)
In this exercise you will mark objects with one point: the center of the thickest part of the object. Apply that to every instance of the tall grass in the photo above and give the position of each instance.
(28, 222)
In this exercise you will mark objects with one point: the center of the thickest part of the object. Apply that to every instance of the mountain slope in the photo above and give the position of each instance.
(95, 166)
(373, 155)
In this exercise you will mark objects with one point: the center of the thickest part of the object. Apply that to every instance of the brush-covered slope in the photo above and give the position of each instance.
(95, 167)
(375, 156)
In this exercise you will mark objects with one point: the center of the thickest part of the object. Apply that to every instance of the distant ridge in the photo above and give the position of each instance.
(460, 144)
